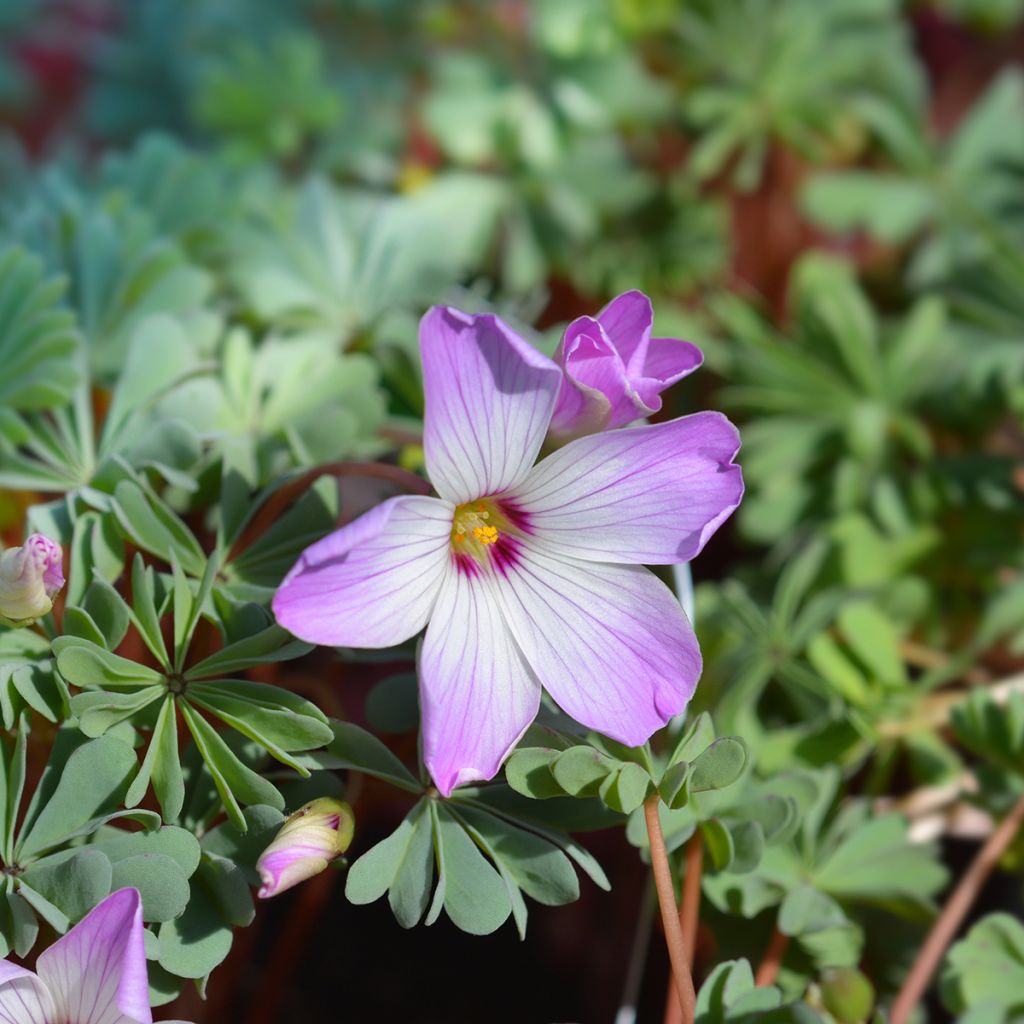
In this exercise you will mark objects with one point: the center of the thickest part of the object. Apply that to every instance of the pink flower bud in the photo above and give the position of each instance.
(614, 370)
(30, 577)
(305, 844)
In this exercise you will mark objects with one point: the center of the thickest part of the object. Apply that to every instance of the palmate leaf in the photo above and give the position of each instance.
(38, 339)
(261, 116)
(193, 943)
(729, 994)
(987, 295)
(623, 777)
(951, 190)
(188, 195)
(27, 679)
(67, 450)
(992, 730)
(120, 273)
(986, 969)
(790, 72)
(336, 261)
(291, 400)
(150, 523)
(579, 771)
(823, 877)
(50, 873)
(840, 399)
(118, 690)
(483, 862)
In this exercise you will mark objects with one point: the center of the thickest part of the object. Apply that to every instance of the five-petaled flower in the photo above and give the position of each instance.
(615, 371)
(30, 577)
(96, 974)
(306, 843)
(526, 576)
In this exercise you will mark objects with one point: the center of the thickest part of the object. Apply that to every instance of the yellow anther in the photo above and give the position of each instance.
(486, 534)
(477, 526)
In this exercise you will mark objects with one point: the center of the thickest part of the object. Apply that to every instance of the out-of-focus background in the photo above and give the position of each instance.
(827, 195)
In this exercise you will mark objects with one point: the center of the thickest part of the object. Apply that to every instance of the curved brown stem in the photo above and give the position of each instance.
(948, 922)
(768, 969)
(689, 908)
(689, 913)
(677, 953)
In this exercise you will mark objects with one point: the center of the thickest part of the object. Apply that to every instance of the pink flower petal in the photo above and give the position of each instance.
(669, 360)
(608, 642)
(489, 397)
(594, 386)
(615, 371)
(627, 320)
(477, 695)
(97, 972)
(652, 494)
(24, 999)
(372, 583)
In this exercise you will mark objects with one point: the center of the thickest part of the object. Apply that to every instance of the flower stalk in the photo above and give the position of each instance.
(679, 957)
(689, 914)
(768, 969)
(948, 922)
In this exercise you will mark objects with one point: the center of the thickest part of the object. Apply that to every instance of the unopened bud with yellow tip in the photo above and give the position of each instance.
(306, 843)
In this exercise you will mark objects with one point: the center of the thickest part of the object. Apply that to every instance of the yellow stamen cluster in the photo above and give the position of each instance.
(471, 529)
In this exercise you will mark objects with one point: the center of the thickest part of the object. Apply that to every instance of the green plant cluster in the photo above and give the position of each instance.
(208, 339)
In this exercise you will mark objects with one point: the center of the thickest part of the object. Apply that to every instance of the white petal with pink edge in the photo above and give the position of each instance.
(489, 397)
(609, 642)
(477, 694)
(372, 583)
(24, 999)
(97, 972)
(651, 495)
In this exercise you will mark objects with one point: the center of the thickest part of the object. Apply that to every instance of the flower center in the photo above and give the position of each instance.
(486, 535)
(475, 527)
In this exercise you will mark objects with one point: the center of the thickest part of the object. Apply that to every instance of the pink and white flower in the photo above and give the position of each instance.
(30, 577)
(306, 843)
(615, 371)
(525, 576)
(96, 974)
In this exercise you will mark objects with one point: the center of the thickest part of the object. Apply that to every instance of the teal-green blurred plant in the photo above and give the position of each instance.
(950, 191)
(791, 73)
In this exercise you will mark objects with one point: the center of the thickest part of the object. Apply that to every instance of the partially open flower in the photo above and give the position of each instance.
(615, 371)
(30, 577)
(306, 843)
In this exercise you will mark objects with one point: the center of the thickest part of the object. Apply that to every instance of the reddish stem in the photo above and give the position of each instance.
(677, 953)
(689, 913)
(948, 922)
(689, 909)
(769, 966)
